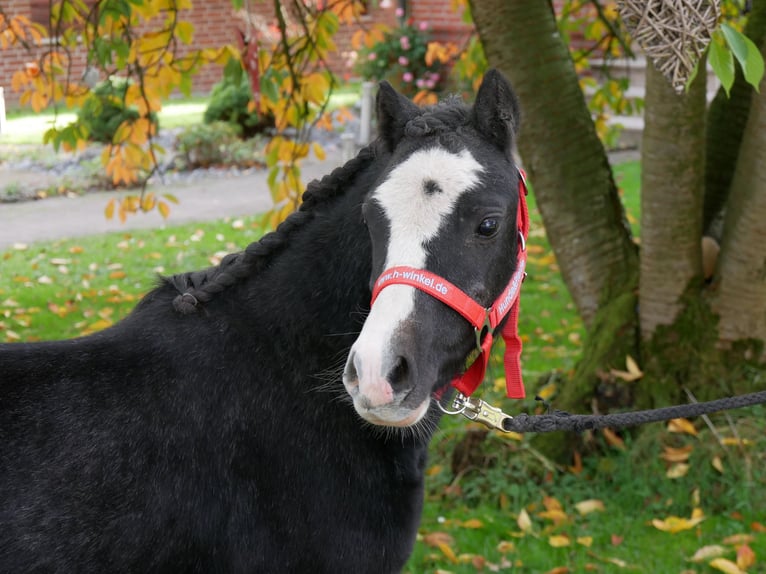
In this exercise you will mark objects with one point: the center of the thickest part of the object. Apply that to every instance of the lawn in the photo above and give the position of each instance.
(671, 499)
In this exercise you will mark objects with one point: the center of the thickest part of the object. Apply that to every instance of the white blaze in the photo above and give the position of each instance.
(415, 217)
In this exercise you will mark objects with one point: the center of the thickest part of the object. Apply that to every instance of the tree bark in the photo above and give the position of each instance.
(727, 118)
(672, 174)
(566, 161)
(739, 296)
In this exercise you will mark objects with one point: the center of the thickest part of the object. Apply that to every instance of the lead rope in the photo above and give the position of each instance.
(494, 418)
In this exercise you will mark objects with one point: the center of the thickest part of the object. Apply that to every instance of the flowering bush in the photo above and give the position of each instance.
(400, 58)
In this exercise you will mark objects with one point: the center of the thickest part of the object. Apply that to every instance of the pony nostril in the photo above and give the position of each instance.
(351, 374)
(398, 376)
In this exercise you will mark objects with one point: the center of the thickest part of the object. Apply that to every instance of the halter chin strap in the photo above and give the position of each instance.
(507, 304)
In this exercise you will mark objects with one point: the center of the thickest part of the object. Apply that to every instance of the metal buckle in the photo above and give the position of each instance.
(478, 411)
(479, 330)
(523, 241)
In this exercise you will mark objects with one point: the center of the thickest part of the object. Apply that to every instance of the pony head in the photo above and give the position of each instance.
(446, 203)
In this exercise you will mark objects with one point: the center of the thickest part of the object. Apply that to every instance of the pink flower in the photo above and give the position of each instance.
(405, 42)
(403, 61)
(407, 77)
(399, 12)
(420, 83)
(371, 56)
(423, 26)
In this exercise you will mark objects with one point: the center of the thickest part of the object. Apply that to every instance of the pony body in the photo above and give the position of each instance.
(209, 431)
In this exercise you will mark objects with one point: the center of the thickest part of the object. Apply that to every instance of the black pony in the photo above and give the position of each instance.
(210, 431)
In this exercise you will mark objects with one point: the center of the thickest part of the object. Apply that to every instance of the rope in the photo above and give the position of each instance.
(563, 421)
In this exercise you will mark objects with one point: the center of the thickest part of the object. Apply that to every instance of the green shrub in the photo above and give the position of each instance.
(104, 110)
(217, 144)
(230, 102)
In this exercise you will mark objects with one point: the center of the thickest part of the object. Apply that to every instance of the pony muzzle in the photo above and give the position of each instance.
(380, 389)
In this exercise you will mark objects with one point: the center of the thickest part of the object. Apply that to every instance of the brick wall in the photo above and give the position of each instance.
(215, 25)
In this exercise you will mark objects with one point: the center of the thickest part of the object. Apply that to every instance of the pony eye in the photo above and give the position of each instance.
(488, 227)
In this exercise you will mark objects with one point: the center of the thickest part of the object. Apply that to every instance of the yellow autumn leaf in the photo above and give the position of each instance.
(731, 441)
(555, 516)
(632, 372)
(708, 552)
(109, 209)
(717, 464)
(586, 541)
(673, 524)
(524, 522)
(725, 565)
(506, 546)
(472, 523)
(319, 151)
(164, 209)
(671, 454)
(446, 549)
(559, 541)
(682, 426)
(678, 470)
(590, 505)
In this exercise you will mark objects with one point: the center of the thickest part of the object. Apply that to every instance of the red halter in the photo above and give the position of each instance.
(506, 304)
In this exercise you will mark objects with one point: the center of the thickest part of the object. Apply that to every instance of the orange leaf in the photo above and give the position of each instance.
(164, 209)
(472, 523)
(433, 539)
(613, 439)
(745, 557)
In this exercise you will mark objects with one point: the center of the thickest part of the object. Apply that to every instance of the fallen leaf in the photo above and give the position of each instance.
(613, 439)
(678, 470)
(524, 522)
(551, 503)
(671, 454)
(757, 527)
(708, 552)
(591, 505)
(675, 524)
(731, 441)
(616, 540)
(717, 464)
(506, 546)
(446, 549)
(555, 516)
(745, 557)
(433, 539)
(559, 541)
(681, 426)
(726, 566)
(737, 539)
(472, 523)
(559, 570)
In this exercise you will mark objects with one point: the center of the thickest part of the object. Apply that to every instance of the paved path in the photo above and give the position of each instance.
(200, 200)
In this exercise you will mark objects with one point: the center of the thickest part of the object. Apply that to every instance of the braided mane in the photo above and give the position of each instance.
(199, 287)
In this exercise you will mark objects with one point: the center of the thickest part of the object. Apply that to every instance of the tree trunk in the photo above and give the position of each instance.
(566, 161)
(726, 123)
(672, 157)
(739, 296)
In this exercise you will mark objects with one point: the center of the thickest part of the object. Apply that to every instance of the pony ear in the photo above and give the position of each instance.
(394, 111)
(496, 110)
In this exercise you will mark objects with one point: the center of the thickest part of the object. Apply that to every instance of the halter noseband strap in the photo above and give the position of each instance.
(507, 304)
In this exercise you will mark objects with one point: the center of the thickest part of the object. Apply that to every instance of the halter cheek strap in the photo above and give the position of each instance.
(507, 304)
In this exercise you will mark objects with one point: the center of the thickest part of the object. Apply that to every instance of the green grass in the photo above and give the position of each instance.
(471, 519)
(24, 127)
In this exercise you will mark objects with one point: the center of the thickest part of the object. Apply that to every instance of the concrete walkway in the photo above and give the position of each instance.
(200, 200)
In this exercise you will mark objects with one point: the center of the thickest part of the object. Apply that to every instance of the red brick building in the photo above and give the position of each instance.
(215, 24)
